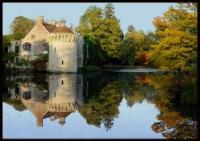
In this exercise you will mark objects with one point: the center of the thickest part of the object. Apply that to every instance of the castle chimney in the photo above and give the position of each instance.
(39, 20)
(61, 23)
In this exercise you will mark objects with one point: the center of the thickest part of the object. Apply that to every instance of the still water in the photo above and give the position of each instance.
(105, 105)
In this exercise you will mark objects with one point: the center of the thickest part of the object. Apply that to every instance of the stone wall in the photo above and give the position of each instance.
(36, 37)
(62, 53)
(80, 52)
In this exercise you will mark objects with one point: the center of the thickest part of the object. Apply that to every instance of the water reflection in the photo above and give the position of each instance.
(55, 99)
(97, 99)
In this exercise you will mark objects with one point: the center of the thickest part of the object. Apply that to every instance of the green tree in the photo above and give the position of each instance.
(131, 28)
(109, 11)
(110, 34)
(6, 40)
(132, 46)
(89, 22)
(149, 40)
(103, 107)
(20, 27)
(110, 38)
(102, 34)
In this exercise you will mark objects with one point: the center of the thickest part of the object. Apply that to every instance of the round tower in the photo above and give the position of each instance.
(62, 52)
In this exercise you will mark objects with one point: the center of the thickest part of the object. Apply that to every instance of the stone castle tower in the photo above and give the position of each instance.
(65, 50)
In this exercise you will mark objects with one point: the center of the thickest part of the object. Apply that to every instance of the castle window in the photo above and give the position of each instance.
(17, 60)
(16, 49)
(27, 46)
(62, 62)
(17, 90)
(46, 46)
(27, 95)
(62, 82)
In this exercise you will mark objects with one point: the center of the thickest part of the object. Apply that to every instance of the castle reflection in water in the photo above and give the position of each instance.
(98, 99)
(61, 96)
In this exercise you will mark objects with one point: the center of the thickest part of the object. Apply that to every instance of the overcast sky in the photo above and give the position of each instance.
(140, 15)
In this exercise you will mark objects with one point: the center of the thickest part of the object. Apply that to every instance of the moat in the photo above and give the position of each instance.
(105, 105)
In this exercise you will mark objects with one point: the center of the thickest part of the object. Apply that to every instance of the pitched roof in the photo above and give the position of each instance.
(54, 29)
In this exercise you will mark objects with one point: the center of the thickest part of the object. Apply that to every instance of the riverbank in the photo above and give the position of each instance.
(138, 70)
(143, 69)
(93, 69)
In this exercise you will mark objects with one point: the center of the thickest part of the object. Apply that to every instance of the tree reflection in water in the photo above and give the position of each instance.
(97, 98)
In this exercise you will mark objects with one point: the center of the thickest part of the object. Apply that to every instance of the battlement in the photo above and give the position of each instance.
(62, 37)
(62, 107)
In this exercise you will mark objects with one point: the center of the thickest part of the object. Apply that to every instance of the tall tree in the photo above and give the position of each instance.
(109, 11)
(102, 33)
(110, 38)
(131, 28)
(90, 20)
(177, 45)
(89, 23)
(128, 48)
(132, 50)
(21, 26)
(110, 34)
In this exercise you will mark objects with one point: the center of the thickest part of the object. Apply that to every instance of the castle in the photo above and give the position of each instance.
(62, 44)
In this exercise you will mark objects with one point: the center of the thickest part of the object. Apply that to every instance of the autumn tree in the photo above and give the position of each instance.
(176, 48)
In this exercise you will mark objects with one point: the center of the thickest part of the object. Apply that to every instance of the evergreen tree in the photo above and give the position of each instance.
(131, 28)
(109, 11)
(102, 33)
(110, 34)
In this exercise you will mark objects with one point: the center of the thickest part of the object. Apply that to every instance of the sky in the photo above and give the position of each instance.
(140, 15)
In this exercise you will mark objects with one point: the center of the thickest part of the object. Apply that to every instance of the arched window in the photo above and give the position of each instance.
(62, 62)
(62, 82)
